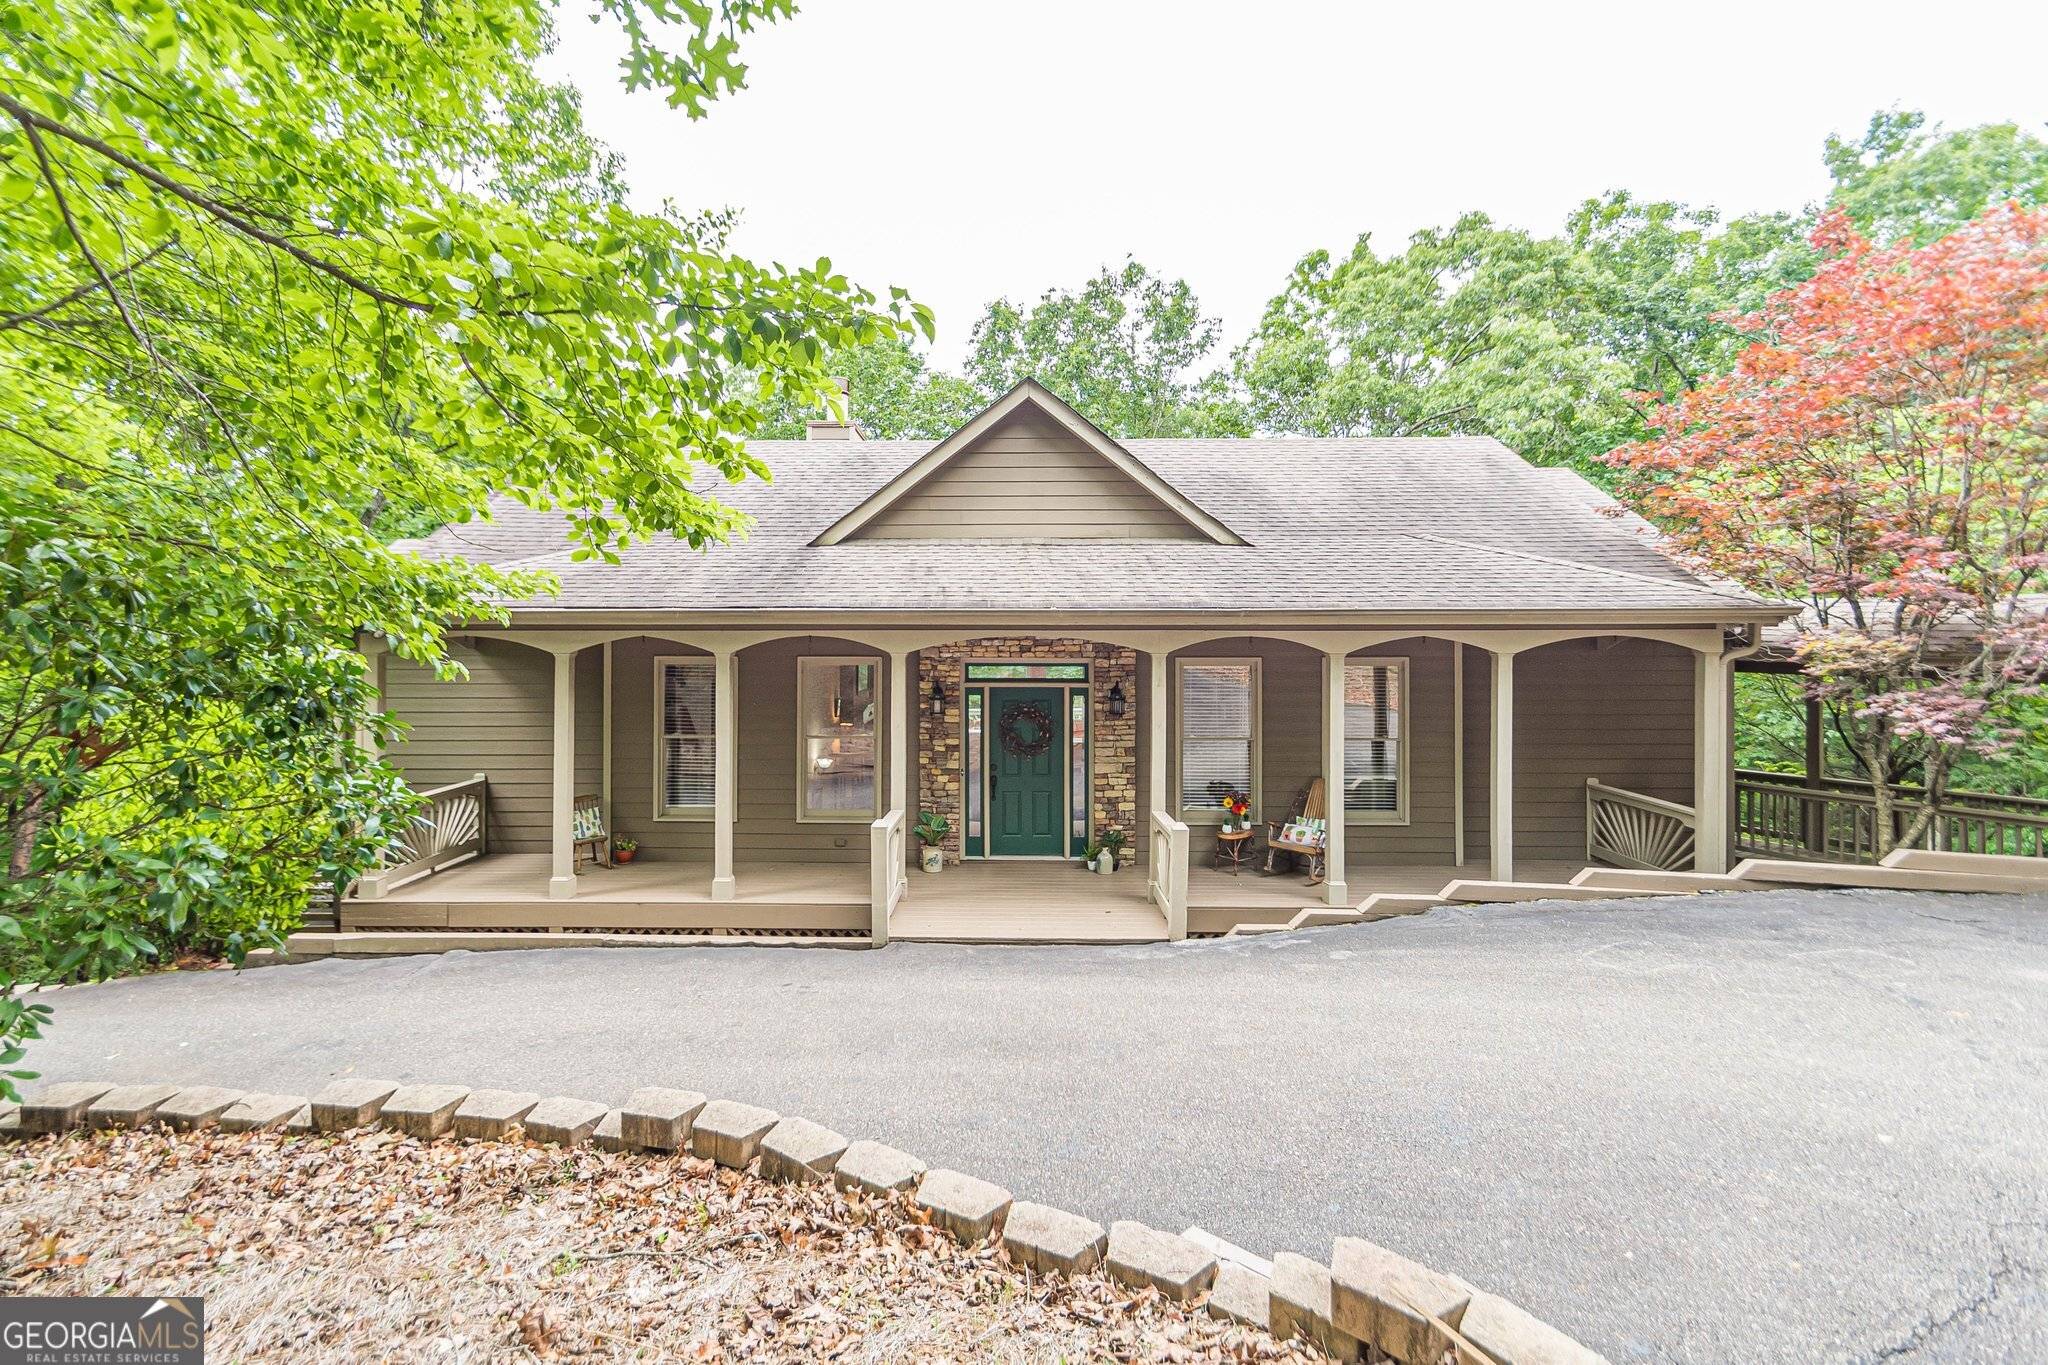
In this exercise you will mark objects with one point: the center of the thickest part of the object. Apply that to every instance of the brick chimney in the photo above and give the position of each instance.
(839, 427)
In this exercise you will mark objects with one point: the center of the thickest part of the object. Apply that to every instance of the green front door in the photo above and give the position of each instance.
(1027, 773)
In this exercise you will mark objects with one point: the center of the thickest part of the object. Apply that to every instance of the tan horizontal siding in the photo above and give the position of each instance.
(765, 827)
(499, 722)
(1029, 478)
(1291, 747)
(1622, 713)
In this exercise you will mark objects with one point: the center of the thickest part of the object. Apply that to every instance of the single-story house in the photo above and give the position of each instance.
(1042, 635)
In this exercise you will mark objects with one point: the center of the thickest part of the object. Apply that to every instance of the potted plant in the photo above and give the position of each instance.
(931, 830)
(1110, 851)
(623, 848)
(1237, 812)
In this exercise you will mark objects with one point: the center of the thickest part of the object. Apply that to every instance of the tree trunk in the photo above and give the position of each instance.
(22, 832)
(1876, 770)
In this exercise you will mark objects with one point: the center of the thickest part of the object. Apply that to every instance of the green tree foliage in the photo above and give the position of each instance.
(897, 395)
(1542, 342)
(1122, 349)
(265, 271)
(1903, 179)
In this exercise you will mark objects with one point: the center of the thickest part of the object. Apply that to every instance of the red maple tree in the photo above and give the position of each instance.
(1881, 451)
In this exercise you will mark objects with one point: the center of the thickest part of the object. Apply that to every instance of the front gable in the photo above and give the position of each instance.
(1028, 467)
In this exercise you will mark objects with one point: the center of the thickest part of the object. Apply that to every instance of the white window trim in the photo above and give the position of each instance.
(680, 814)
(1203, 815)
(1402, 743)
(882, 705)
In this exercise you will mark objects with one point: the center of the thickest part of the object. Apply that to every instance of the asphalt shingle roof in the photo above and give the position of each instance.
(1377, 525)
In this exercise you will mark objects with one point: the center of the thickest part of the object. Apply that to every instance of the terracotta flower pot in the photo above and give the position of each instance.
(624, 855)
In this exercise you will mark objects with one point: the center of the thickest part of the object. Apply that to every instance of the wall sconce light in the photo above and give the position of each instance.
(1116, 701)
(938, 701)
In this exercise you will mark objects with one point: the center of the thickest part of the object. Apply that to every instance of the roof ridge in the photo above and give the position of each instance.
(1687, 582)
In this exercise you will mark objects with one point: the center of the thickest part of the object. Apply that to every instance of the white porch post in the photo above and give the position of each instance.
(605, 710)
(1155, 720)
(562, 882)
(1334, 890)
(899, 731)
(1712, 762)
(1500, 818)
(370, 886)
(725, 706)
(1458, 753)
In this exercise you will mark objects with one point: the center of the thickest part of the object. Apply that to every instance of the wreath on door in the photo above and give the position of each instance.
(1019, 742)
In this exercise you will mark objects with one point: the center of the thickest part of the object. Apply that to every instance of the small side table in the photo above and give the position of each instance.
(1233, 850)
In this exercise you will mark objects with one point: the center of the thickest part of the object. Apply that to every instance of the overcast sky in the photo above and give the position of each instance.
(967, 149)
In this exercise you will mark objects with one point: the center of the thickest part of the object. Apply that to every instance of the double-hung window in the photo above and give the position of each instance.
(1219, 733)
(1375, 759)
(686, 758)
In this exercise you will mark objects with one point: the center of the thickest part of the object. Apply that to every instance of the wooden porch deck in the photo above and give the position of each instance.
(975, 902)
(510, 891)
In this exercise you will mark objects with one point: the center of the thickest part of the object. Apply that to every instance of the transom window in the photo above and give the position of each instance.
(687, 757)
(837, 707)
(1219, 733)
(1374, 761)
(1009, 672)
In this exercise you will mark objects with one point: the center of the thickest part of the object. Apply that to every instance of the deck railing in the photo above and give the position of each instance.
(452, 827)
(1628, 829)
(888, 875)
(1836, 820)
(1167, 874)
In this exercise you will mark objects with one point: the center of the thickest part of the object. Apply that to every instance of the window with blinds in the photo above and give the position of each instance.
(1219, 731)
(687, 781)
(1372, 737)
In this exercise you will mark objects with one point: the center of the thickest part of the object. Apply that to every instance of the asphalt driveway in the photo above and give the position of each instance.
(1771, 1126)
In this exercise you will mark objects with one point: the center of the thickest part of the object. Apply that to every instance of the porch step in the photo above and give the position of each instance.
(1247, 930)
(1318, 915)
(1501, 893)
(1970, 864)
(1629, 879)
(1388, 904)
(1876, 878)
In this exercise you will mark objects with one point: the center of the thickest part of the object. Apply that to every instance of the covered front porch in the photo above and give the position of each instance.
(974, 902)
(771, 780)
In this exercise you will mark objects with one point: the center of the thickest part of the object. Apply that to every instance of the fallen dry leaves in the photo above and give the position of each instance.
(370, 1245)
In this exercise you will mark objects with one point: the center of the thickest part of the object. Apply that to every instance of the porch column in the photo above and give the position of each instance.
(899, 732)
(1713, 762)
(370, 886)
(1334, 891)
(1500, 809)
(1458, 753)
(562, 882)
(725, 707)
(1156, 666)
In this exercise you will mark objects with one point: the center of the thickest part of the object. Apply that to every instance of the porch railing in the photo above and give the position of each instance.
(1836, 819)
(1167, 875)
(452, 827)
(888, 876)
(1628, 829)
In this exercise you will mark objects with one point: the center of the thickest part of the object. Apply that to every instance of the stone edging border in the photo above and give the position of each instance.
(1367, 1296)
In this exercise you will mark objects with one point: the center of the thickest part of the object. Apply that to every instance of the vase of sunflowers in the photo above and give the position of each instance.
(1237, 812)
